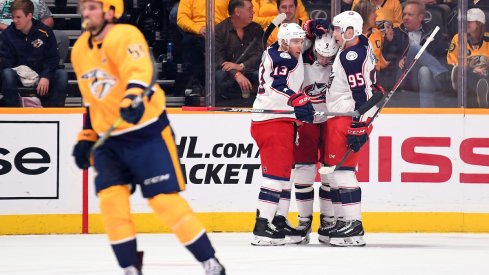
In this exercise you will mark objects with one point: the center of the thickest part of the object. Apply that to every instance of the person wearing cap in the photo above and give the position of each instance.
(477, 56)
(429, 73)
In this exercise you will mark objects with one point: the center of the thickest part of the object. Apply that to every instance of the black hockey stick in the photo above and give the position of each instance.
(138, 100)
(275, 22)
(374, 100)
(330, 169)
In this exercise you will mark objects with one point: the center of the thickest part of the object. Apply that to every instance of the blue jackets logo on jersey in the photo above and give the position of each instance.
(351, 55)
(101, 82)
(315, 90)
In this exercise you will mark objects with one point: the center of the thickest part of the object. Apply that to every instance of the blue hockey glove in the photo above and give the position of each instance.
(81, 152)
(304, 111)
(357, 135)
(132, 108)
(317, 27)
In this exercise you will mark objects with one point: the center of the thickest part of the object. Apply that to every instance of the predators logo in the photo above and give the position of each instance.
(100, 82)
(316, 92)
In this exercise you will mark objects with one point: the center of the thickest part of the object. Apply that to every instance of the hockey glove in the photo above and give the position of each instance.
(304, 111)
(377, 88)
(357, 135)
(316, 27)
(132, 108)
(81, 152)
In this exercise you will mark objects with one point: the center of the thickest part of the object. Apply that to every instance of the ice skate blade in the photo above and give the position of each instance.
(348, 241)
(264, 241)
(298, 240)
(323, 239)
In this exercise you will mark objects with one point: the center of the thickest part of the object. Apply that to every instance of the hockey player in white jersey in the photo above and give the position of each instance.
(318, 62)
(281, 75)
(351, 86)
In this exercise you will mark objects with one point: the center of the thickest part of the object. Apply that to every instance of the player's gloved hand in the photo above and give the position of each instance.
(316, 27)
(81, 152)
(377, 88)
(357, 135)
(132, 108)
(304, 111)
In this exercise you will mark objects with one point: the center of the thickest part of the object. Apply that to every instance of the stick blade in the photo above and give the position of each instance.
(325, 170)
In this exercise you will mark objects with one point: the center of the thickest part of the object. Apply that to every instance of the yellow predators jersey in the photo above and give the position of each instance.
(108, 69)
(472, 50)
(376, 38)
(389, 10)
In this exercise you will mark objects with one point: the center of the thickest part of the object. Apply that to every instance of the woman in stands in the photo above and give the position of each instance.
(367, 10)
(478, 59)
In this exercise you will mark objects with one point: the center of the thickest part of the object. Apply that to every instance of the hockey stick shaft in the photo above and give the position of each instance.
(331, 169)
(275, 22)
(138, 100)
(262, 111)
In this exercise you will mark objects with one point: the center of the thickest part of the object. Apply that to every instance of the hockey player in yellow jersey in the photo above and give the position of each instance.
(113, 67)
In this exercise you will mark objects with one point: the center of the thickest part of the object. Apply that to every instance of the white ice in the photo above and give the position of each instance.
(384, 254)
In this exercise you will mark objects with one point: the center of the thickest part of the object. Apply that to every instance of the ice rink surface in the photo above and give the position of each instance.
(384, 254)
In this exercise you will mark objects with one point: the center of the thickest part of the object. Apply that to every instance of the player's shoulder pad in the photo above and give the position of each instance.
(352, 58)
(280, 58)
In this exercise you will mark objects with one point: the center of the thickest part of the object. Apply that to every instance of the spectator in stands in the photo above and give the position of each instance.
(191, 18)
(478, 3)
(31, 43)
(367, 10)
(289, 7)
(238, 51)
(387, 11)
(43, 14)
(478, 59)
(429, 74)
(266, 10)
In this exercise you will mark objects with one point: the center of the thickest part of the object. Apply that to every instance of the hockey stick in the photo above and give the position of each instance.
(275, 22)
(135, 103)
(374, 100)
(330, 169)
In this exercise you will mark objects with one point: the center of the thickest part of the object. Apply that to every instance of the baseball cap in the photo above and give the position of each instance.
(476, 14)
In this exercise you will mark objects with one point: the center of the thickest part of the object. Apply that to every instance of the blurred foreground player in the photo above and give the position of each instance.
(113, 67)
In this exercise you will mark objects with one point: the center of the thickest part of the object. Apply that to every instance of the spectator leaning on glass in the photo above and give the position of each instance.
(478, 59)
(266, 10)
(41, 13)
(233, 37)
(289, 8)
(429, 74)
(31, 43)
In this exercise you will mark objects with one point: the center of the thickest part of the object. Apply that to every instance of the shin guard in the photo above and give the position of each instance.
(116, 216)
(175, 212)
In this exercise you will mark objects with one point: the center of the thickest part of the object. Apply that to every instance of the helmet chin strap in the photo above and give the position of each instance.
(345, 40)
(92, 35)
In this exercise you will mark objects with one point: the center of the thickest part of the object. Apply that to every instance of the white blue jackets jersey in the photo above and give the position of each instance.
(316, 80)
(280, 76)
(352, 75)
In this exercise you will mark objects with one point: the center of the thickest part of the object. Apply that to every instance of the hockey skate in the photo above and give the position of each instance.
(325, 228)
(304, 227)
(213, 267)
(347, 233)
(266, 234)
(292, 235)
(135, 270)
